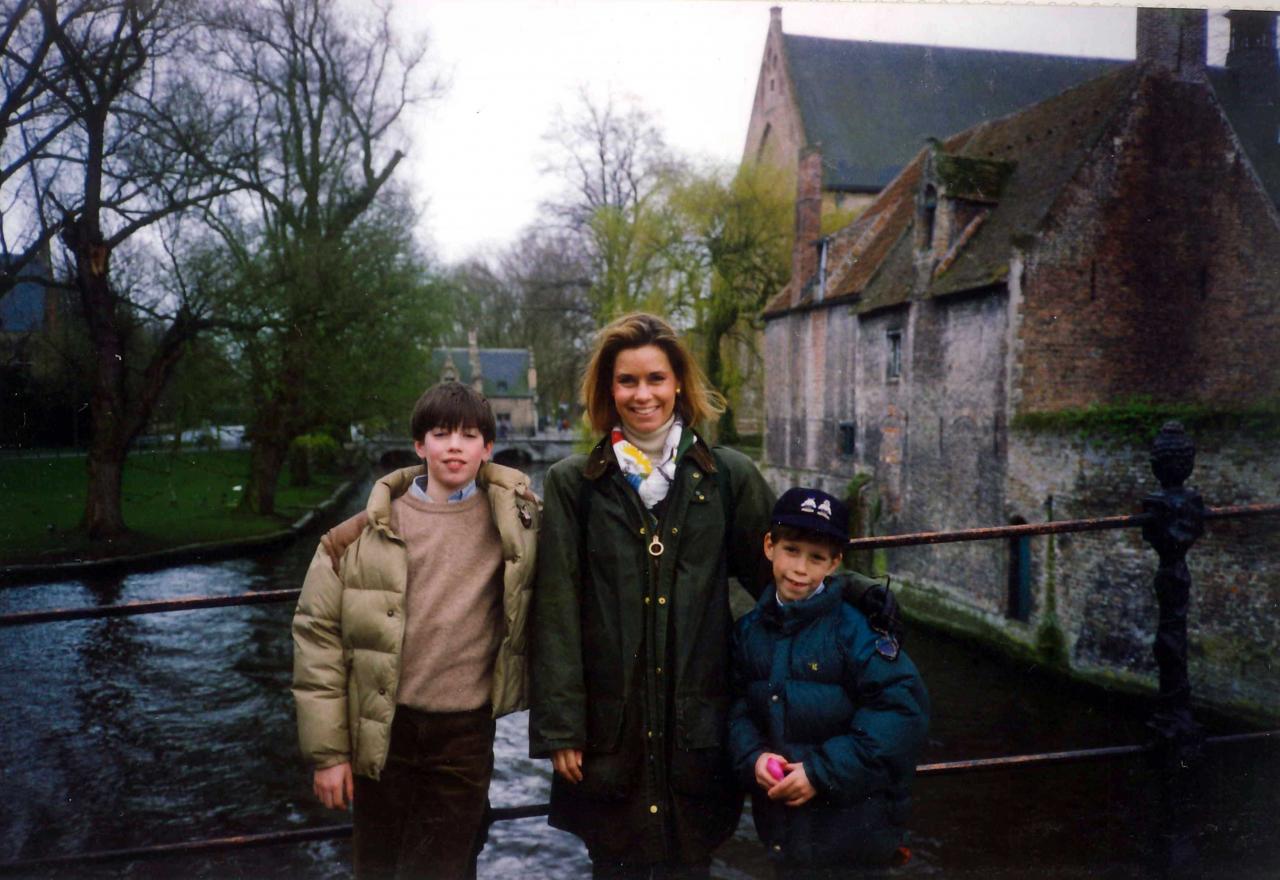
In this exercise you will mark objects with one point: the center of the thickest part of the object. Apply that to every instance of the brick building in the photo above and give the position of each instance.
(859, 110)
(865, 107)
(1117, 241)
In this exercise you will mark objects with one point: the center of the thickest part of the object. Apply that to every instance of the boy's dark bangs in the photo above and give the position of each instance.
(453, 406)
(779, 532)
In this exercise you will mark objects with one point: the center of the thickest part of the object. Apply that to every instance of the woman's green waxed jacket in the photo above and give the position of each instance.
(630, 648)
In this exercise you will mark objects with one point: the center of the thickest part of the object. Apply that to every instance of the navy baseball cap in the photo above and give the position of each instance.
(814, 511)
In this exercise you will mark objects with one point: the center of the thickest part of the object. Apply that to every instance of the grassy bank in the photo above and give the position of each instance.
(170, 499)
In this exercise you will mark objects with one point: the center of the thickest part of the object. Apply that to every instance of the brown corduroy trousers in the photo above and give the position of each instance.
(424, 818)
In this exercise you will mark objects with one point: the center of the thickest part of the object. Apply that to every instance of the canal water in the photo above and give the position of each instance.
(163, 728)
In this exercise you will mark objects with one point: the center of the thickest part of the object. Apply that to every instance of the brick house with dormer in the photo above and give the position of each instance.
(1113, 246)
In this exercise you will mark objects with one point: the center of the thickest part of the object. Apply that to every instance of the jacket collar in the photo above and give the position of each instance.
(793, 615)
(396, 483)
(601, 456)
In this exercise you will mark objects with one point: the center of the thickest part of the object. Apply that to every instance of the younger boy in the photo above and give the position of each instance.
(407, 650)
(829, 714)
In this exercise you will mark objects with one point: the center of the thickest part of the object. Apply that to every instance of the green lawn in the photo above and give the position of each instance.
(169, 499)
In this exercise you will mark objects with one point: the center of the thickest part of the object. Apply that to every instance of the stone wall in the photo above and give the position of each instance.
(1098, 584)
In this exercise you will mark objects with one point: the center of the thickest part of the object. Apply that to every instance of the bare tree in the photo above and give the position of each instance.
(30, 78)
(321, 94)
(88, 168)
(615, 168)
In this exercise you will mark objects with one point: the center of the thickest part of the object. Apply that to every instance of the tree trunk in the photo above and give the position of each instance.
(266, 460)
(103, 513)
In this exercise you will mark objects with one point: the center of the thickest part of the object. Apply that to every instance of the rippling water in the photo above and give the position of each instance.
(169, 727)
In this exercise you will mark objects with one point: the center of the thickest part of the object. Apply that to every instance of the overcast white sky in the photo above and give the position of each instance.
(477, 154)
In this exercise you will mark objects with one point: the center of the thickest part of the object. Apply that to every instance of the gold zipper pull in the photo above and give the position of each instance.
(655, 546)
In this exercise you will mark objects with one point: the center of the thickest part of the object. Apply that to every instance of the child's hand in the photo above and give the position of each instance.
(335, 786)
(794, 789)
(568, 763)
(764, 778)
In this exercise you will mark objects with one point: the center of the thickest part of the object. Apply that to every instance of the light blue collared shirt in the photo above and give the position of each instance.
(419, 490)
(778, 596)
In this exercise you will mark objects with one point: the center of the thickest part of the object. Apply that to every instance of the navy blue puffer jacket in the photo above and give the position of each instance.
(814, 683)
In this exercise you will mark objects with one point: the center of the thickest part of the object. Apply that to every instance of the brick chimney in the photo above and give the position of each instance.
(804, 253)
(1253, 42)
(1173, 41)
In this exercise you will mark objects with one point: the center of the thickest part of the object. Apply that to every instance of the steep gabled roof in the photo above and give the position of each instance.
(872, 260)
(1254, 110)
(505, 370)
(870, 106)
(1047, 142)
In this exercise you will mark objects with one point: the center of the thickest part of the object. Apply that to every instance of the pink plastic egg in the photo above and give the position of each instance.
(775, 768)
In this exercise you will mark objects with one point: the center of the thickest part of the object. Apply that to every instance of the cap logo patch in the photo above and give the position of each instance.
(809, 505)
(824, 510)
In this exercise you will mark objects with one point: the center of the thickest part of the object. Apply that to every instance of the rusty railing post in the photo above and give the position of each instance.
(1177, 521)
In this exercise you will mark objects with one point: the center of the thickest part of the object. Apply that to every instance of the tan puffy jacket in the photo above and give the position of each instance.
(348, 628)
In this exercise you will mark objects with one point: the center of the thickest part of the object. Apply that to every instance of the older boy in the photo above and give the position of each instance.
(407, 652)
(829, 714)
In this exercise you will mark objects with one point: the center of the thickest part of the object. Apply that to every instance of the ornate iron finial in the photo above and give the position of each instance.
(1173, 456)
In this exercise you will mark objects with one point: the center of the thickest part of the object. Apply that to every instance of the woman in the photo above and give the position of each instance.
(631, 622)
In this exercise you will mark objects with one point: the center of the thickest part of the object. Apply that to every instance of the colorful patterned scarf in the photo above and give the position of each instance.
(652, 483)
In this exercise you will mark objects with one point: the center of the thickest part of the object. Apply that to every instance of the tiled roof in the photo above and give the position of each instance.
(872, 259)
(870, 106)
(505, 370)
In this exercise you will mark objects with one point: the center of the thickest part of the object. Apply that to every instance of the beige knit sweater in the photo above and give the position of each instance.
(453, 603)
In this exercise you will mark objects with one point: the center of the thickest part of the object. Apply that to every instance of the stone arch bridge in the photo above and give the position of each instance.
(389, 452)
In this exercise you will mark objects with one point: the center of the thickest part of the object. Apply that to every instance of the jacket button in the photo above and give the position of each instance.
(774, 698)
(674, 530)
(646, 600)
(653, 808)
(382, 692)
(662, 600)
(777, 847)
(391, 614)
(658, 670)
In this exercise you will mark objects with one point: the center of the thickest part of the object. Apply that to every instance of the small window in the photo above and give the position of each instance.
(893, 366)
(848, 438)
(930, 215)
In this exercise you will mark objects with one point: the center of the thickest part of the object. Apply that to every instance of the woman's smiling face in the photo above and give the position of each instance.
(644, 388)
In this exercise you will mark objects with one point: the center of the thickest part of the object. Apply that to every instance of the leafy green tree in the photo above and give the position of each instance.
(737, 231)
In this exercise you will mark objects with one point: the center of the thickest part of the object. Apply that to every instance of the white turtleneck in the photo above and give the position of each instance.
(650, 442)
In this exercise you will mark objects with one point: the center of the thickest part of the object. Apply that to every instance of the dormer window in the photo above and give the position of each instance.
(956, 194)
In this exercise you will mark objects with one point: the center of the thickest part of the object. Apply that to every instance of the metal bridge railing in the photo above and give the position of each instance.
(1172, 520)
